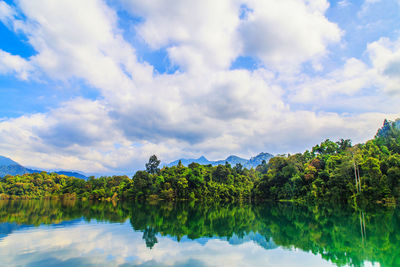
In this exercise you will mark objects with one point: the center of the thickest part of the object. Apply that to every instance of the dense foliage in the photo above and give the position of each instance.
(178, 182)
(338, 172)
(335, 172)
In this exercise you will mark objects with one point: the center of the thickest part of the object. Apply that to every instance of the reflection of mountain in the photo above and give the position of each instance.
(256, 238)
(236, 240)
(8, 228)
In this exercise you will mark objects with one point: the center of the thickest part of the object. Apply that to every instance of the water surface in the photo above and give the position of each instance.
(62, 233)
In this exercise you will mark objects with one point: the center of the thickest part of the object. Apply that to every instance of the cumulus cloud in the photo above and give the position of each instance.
(284, 34)
(197, 34)
(82, 40)
(385, 58)
(352, 77)
(357, 79)
(205, 34)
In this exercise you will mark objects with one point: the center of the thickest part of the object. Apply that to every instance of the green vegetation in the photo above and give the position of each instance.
(334, 172)
(338, 172)
(341, 235)
(177, 182)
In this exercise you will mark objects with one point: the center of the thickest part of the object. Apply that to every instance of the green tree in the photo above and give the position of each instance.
(343, 144)
(263, 167)
(152, 165)
(142, 183)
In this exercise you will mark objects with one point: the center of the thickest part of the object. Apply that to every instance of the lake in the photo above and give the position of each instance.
(75, 233)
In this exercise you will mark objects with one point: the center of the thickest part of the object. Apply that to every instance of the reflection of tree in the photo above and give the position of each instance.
(335, 233)
(182, 219)
(36, 212)
(149, 235)
(342, 236)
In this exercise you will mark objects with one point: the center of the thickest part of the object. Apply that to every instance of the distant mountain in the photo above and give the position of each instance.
(397, 123)
(257, 160)
(10, 167)
(6, 161)
(388, 127)
(202, 160)
(233, 160)
(13, 170)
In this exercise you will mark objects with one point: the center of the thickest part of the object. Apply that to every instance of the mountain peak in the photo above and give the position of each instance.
(257, 160)
(263, 154)
(232, 157)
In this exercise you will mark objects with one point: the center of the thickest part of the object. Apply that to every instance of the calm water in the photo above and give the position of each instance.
(55, 233)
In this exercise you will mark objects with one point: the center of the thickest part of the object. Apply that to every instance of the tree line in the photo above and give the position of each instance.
(334, 172)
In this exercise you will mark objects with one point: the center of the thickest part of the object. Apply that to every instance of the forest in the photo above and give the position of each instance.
(331, 172)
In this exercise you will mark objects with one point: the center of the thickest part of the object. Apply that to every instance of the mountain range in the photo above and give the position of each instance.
(233, 160)
(10, 167)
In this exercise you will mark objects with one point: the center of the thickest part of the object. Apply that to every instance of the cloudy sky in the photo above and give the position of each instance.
(99, 86)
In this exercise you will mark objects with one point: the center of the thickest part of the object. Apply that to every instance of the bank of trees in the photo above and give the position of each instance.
(338, 172)
(335, 172)
(178, 182)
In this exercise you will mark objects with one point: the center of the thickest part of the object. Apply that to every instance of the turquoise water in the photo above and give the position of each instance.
(54, 233)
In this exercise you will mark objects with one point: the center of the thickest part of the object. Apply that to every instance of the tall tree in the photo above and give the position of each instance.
(152, 165)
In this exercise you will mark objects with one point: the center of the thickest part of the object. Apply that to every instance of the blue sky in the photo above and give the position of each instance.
(100, 86)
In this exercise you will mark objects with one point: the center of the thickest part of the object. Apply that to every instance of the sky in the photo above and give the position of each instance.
(100, 86)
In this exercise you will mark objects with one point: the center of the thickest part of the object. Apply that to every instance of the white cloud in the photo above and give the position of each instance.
(284, 34)
(357, 85)
(349, 80)
(385, 58)
(6, 13)
(206, 34)
(344, 3)
(198, 34)
(75, 39)
(13, 64)
(356, 80)
(366, 7)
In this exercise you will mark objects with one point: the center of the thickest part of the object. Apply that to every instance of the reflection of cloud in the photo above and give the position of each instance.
(190, 262)
(99, 244)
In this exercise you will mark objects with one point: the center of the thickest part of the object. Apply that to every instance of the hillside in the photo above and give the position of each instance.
(10, 167)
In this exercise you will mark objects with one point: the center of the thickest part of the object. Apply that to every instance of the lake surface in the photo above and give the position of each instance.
(68, 233)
